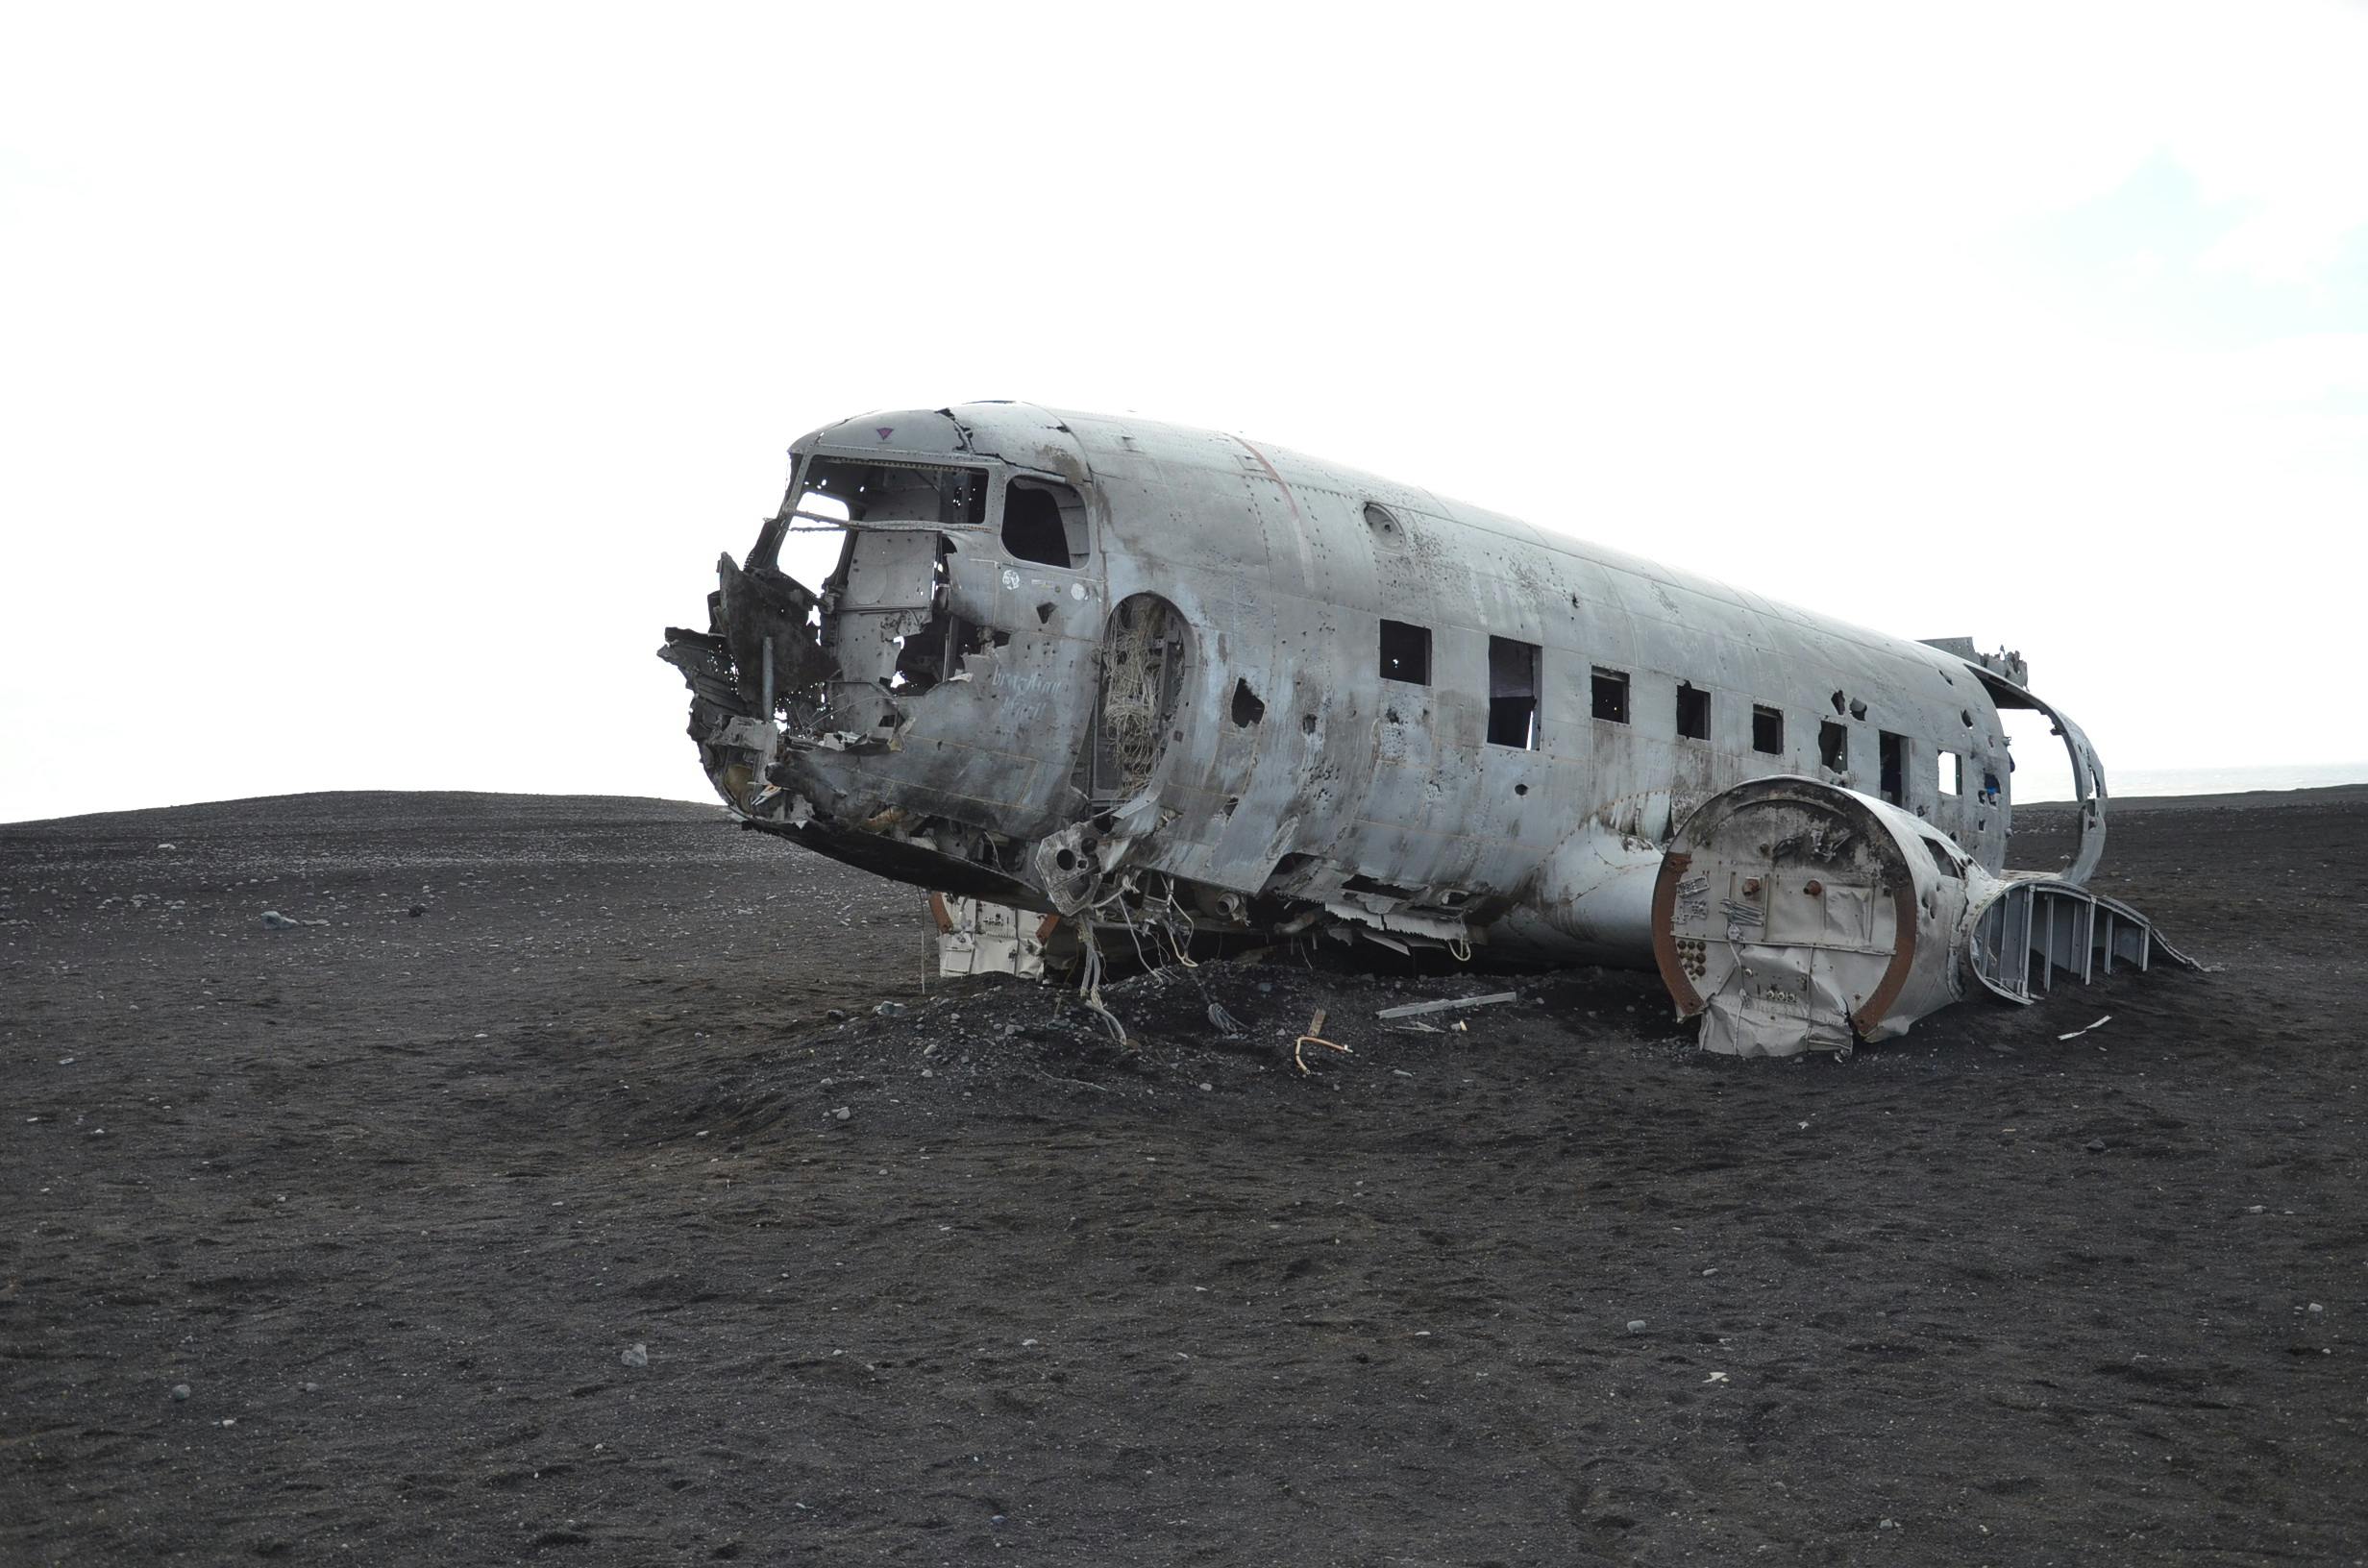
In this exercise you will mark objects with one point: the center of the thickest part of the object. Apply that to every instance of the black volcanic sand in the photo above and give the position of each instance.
(393, 1198)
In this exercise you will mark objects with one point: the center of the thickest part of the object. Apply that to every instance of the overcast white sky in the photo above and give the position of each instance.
(377, 382)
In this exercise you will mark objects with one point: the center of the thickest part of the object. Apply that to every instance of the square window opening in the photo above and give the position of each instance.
(1833, 746)
(1512, 692)
(1611, 695)
(1406, 653)
(1693, 712)
(1768, 730)
(1894, 751)
(1044, 520)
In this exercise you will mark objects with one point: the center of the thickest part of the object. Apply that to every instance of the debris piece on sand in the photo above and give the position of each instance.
(1451, 1004)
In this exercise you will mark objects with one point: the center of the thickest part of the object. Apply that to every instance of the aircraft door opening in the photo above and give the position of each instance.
(1143, 654)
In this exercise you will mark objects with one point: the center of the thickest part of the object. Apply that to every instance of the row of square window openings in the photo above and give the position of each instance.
(1513, 707)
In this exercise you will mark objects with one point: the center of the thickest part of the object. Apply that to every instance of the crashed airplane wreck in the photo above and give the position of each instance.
(1075, 673)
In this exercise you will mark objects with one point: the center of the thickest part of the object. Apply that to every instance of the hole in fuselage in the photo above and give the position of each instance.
(1247, 710)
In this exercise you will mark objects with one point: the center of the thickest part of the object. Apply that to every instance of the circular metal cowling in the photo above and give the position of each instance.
(1793, 915)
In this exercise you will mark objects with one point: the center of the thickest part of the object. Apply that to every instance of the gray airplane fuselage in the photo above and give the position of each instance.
(1063, 657)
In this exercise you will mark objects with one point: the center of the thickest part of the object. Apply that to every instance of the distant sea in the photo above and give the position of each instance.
(2132, 782)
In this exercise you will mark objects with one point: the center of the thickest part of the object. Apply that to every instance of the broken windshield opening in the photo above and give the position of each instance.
(879, 494)
(833, 492)
(814, 543)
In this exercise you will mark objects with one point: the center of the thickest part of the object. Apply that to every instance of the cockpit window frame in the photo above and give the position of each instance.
(993, 476)
(1081, 547)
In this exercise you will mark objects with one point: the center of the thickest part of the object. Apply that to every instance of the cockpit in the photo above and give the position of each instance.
(873, 543)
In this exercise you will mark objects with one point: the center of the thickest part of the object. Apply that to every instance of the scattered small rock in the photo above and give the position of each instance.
(417, 910)
(2095, 1145)
(2316, 1308)
(635, 1356)
(278, 921)
(841, 1112)
(834, 1014)
(1208, 1089)
(181, 1392)
(168, 847)
(1635, 1325)
(890, 1010)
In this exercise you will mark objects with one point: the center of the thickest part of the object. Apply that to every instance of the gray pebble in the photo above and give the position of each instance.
(841, 1113)
(1635, 1325)
(181, 1390)
(635, 1356)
